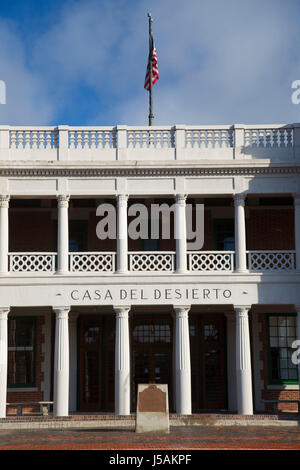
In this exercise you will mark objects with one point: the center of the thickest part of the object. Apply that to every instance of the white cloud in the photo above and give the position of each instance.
(26, 99)
(219, 62)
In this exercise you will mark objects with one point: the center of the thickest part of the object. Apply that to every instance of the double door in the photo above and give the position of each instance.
(151, 353)
(151, 358)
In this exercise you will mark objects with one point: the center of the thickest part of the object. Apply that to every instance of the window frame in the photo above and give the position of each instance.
(15, 349)
(273, 381)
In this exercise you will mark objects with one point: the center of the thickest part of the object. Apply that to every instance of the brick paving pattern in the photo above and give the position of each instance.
(180, 438)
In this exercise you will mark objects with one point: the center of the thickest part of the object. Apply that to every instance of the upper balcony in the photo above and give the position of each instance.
(157, 144)
(33, 234)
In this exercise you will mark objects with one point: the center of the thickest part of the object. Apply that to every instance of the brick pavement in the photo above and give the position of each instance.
(180, 438)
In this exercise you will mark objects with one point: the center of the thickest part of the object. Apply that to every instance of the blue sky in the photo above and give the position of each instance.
(83, 62)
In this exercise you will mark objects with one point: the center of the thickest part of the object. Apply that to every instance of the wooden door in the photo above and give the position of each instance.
(208, 362)
(96, 363)
(151, 353)
(213, 362)
(90, 363)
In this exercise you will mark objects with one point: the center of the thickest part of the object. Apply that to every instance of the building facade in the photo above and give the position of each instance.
(84, 318)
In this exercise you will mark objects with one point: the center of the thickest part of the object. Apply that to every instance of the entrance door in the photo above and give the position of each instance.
(96, 363)
(208, 361)
(151, 366)
(151, 353)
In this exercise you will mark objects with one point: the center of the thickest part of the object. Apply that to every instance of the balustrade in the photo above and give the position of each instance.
(92, 262)
(262, 260)
(191, 138)
(151, 261)
(32, 262)
(211, 261)
(159, 261)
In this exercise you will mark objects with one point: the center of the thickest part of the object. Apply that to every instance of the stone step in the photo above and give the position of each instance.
(112, 421)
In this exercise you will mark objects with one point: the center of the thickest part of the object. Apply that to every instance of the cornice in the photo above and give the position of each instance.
(156, 172)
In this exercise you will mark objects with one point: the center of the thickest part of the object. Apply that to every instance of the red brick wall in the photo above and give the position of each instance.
(94, 243)
(264, 375)
(208, 231)
(270, 229)
(15, 397)
(31, 231)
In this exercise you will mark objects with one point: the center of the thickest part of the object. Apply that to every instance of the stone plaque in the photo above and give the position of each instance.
(152, 413)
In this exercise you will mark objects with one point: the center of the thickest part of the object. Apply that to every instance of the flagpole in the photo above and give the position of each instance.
(151, 115)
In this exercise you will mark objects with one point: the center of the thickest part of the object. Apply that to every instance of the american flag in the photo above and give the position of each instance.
(152, 58)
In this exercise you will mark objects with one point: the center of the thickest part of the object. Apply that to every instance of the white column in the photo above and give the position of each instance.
(240, 233)
(3, 360)
(122, 362)
(243, 362)
(297, 229)
(63, 234)
(4, 224)
(231, 361)
(61, 362)
(122, 234)
(73, 361)
(183, 362)
(180, 233)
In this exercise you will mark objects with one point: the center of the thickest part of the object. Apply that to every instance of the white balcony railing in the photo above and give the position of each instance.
(145, 137)
(151, 261)
(273, 260)
(141, 142)
(32, 262)
(34, 138)
(268, 137)
(154, 261)
(92, 262)
(211, 261)
(92, 138)
(209, 137)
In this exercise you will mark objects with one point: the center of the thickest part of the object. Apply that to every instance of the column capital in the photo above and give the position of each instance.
(4, 311)
(121, 311)
(181, 310)
(122, 199)
(61, 312)
(4, 200)
(63, 200)
(180, 198)
(242, 310)
(239, 199)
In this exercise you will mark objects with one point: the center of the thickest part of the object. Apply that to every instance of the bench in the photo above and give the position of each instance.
(275, 403)
(44, 406)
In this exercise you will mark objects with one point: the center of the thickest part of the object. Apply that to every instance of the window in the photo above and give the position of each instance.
(152, 332)
(78, 230)
(224, 234)
(281, 334)
(21, 351)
